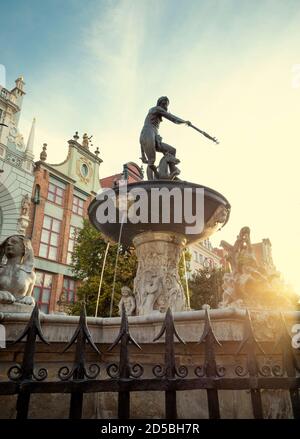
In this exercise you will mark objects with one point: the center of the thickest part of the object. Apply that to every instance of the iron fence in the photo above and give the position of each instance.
(123, 377)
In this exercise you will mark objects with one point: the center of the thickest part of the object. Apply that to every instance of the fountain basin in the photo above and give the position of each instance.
(216, 210)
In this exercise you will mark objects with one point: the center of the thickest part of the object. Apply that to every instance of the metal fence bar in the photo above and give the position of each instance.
(79, 371)
(26, 372)
(289, 361)
(250, 341)
(152, 384)
(125, 371)
(170, 370)
(209, 339)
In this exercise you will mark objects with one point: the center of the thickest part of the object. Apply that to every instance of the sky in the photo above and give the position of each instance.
(229, 66)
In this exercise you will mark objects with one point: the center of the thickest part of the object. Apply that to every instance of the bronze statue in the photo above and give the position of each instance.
(151, 141)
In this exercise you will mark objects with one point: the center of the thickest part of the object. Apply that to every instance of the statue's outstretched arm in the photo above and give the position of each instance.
(170, 116)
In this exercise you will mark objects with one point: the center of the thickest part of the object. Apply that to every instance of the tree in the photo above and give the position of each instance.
(206, 287)
(87, 260)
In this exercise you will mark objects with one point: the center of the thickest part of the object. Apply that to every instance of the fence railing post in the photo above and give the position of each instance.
(249, 341)
(289, 363)
(79, 372)
(171, 370)
(25, 372)
(210, 368)
(124, 371)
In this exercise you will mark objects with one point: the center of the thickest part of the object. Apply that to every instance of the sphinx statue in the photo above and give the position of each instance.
(17, 275)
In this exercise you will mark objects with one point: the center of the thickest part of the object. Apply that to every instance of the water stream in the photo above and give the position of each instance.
(186, 283)
(101, 278)
(116, 265)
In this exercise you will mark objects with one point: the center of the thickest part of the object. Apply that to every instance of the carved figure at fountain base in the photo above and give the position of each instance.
(128, 300)
(157, 284)
(251, 284)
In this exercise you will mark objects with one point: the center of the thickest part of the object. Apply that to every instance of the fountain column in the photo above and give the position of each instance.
(157, 283)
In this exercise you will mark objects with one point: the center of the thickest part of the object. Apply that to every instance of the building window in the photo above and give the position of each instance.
(42, 290)
(50, 238)
(84, 170)
(69, 290)
(72, 239)
(4, 93)
(77, 205)
(55, 194)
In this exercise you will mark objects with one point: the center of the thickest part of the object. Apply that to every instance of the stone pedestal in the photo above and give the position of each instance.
(22, 224)
(12, 308)
(157, 284)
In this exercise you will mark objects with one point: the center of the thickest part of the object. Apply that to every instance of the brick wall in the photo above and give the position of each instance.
(36, 224)
(65, 226)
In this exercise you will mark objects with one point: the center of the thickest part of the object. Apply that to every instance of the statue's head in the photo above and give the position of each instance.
(245, 233)
(14, 246)
(125, 291)
(18, 246)
(163, 102)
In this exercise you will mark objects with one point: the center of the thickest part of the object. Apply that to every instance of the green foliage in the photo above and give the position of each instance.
(206, 288)
(87, 263)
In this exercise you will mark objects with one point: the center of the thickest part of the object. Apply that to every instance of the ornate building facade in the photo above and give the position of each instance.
(60, 198)
(16, 164)
(204, 256)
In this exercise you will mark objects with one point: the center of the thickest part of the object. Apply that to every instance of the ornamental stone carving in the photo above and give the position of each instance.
(157, 284)
(23, 220)
(251, 284)
(127, 300)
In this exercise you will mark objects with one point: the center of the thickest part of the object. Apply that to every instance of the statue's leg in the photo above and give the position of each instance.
(149, 151)
(165, 148)
(143, 156)
(147, 142)
(150, 174)
(6, 297)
